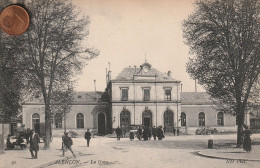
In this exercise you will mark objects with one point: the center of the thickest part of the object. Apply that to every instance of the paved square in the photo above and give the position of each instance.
(108, 152)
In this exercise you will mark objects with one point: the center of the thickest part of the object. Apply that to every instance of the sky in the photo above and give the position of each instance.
(127, 31)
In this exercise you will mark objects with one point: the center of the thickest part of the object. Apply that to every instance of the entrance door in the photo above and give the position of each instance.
(147, 118)
(147, 122)
(101, 124)
(125, 120)
(168, 121)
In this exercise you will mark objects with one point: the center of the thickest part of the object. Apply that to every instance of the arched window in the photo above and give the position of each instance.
(35, 119)
(201, 119)
(183, 119)
(58, 120)
(80, 120)
(220, 118)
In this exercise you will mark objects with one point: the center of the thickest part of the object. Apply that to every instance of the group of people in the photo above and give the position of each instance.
(145, 133)
(31, 137)
(18, 142)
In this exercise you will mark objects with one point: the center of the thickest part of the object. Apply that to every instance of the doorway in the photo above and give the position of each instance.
(147, 118)
(168, 121)
(147, 122)
(101, 124)
(125, 120)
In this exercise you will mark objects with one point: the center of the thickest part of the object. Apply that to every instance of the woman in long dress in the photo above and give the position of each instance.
(247, 139)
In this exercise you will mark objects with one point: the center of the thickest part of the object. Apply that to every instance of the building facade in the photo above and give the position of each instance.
(144, 96)
(137, 96)
(197, 111)
(88, 110)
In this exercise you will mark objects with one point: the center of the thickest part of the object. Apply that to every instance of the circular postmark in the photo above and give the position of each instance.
(14, 20)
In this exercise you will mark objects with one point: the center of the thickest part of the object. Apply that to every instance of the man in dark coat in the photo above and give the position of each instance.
(160, 133)
(145, 133)
(154, 131)
(247, 139)
(67, 141)
(173, 130)
(87, 137)
(139, 133)
(118, 133)
(34, 143)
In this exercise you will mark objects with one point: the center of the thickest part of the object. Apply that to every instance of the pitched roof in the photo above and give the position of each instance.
(191, 98)
(88, 97)
(78, 98)
(128, 73)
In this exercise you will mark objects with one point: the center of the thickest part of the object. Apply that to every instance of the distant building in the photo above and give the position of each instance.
(137, 96)
(197, 110)
(88, 110)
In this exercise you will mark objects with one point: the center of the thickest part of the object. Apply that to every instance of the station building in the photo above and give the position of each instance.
(137, 96)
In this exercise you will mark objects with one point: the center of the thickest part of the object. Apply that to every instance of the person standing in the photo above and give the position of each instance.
(154, 131)
(145, 133)
(160, 133)
(178, 131)
(173, 130)
(87, 136)
(118, 133)
(247, 139)
(34, 141)
(131, 135)
(67, 141)
(139, 133)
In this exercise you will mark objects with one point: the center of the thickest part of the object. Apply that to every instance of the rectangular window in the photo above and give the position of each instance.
(168, 95)
(124, 94)
(146, 94)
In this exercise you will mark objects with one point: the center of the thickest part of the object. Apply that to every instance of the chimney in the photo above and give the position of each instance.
(109, 76)
(169, 73)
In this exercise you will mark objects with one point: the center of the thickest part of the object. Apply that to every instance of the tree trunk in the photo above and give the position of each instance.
(47, 127)
(240, 123)
(3, 139)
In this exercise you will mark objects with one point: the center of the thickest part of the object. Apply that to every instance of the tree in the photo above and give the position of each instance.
(54, 49)
(61, 103)
(11, 78)
(224, 36)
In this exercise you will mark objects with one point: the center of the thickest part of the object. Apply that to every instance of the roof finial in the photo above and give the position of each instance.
(145, 58)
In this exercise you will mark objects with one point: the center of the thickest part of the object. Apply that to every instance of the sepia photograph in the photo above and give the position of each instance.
(129, 83)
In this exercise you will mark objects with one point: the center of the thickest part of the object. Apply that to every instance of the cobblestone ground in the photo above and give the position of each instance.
(108, 152)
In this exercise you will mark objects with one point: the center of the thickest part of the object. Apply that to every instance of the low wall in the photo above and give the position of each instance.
(192, 130)
(80, 132)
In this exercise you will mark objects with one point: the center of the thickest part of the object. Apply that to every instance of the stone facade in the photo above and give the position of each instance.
(85, 110)
(141, 92)
(137, 96)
